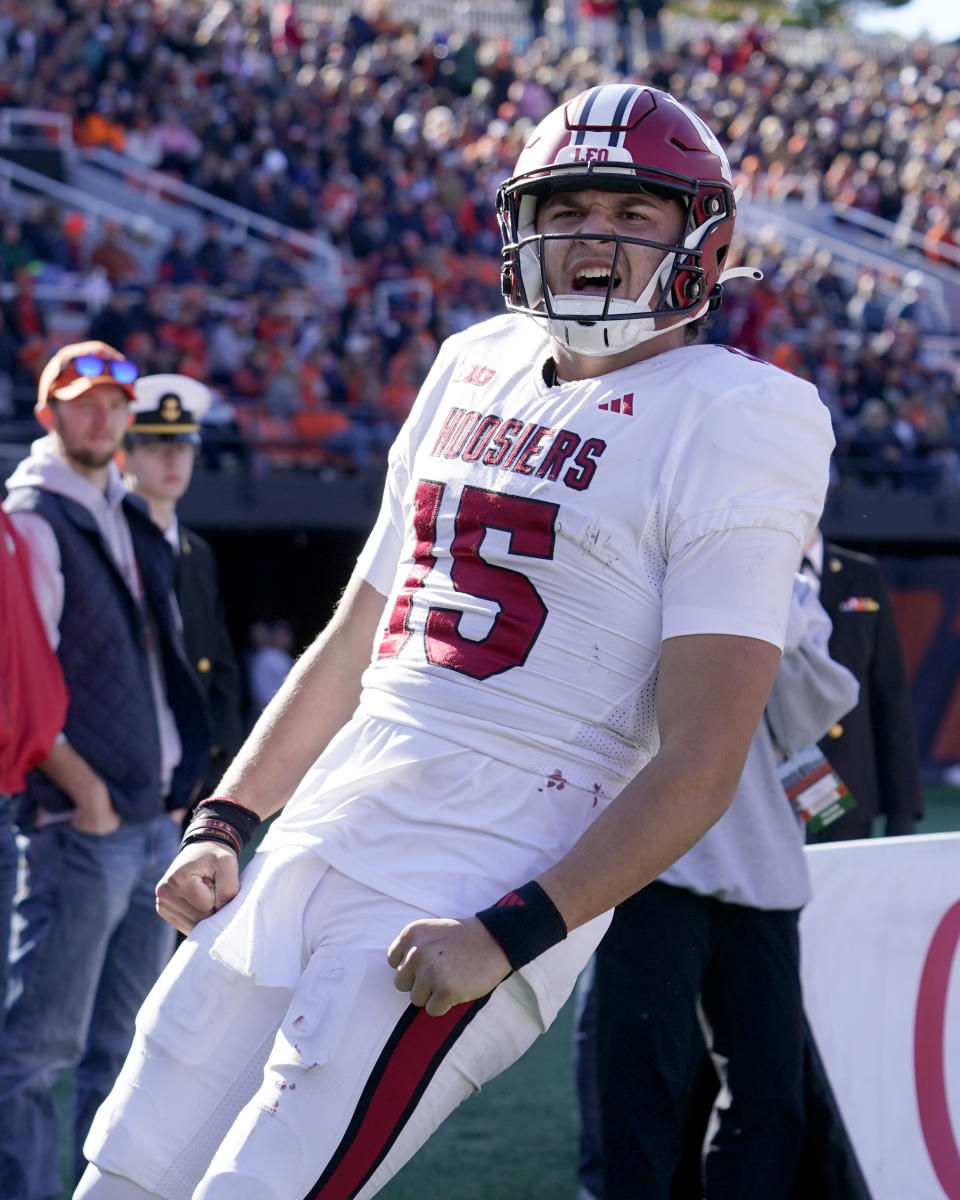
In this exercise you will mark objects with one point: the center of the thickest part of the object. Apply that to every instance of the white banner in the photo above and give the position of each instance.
(881, 977)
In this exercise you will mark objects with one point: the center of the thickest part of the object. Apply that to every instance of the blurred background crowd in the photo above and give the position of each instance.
(279, 209)
(295, 204)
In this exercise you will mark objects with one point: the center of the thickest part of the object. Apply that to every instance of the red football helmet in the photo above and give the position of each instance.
(625, 138)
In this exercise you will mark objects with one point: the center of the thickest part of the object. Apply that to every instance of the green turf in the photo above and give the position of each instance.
(516, 1138)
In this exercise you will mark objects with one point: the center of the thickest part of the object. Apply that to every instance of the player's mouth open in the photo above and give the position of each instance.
(592, 278)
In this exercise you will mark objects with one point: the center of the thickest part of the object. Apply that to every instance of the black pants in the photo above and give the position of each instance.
(670, 961)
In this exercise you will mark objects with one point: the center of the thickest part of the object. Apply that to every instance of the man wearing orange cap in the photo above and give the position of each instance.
(96, 821)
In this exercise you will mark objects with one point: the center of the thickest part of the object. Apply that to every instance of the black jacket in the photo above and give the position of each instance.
(874, 747)
(209, 650)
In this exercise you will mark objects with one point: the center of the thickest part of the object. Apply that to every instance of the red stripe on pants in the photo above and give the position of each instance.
(410, 1059)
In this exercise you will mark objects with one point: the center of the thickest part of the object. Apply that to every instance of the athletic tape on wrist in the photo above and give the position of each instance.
(524, 924)
(220, 819)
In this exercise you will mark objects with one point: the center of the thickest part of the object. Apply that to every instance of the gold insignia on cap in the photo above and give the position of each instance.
(170, 409)
(835, 731)
(834, 565)
(203, 665)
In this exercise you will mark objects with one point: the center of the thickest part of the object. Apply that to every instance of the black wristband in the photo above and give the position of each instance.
(524, 924)
(221, 820)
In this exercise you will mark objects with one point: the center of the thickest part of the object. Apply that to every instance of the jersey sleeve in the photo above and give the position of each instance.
(736, 582)
(745, 494)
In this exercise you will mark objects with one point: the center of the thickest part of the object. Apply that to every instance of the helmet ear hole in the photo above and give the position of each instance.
(692, 289)
(506, 279)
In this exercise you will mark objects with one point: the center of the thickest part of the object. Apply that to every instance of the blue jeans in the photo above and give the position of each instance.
(8, 886)
(88, 946)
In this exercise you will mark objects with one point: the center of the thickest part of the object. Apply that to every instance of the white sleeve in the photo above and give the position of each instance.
(377, 561)
(46, 575)
(745, 493)
(736, 582)
(759, 458)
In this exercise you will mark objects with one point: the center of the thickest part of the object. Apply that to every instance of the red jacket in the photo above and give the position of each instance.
(33, 696)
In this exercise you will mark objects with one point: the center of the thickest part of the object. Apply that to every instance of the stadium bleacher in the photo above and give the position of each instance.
(324, 154)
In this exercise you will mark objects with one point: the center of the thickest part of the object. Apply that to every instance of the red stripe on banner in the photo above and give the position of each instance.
(928, 1054)
(409, 1061)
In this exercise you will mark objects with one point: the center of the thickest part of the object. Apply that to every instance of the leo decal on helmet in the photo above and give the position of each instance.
(625, 138)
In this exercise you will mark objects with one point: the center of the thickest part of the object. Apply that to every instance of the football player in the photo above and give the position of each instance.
(538, 691)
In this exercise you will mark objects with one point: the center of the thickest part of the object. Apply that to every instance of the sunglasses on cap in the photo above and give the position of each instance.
(90, 366)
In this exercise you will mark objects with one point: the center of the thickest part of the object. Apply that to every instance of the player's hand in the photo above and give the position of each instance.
(199, 881)
(444, 962)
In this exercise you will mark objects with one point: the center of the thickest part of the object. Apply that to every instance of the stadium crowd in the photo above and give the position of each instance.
(389, 144)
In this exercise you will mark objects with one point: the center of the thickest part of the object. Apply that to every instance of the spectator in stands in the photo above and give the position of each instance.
(211, 255)
(97, 125)
(16, 250)
(160, 448)
(916, 301)
(231, 341)
(142, 142)
(537, 12)
(181, 147)
(115, 322)
(282, 394)
(96, 825)
(24, 316)
(278, 269)
(875, 452)
(241, 273)
(178, 263)
(33, 704)
(866, 310)
(154, 310)
(652, 31)
(43, 231)
(114, 252)
(9, 367)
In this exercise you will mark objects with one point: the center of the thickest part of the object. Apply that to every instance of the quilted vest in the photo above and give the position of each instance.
(111, 720)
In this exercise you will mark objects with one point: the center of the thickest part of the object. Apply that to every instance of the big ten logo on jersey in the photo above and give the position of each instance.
(524, 448)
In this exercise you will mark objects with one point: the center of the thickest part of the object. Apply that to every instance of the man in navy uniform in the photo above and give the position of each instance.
(874, 748)
(160, 449)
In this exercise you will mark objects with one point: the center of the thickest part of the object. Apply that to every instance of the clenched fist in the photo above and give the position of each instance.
(445, 962)
(199, 881)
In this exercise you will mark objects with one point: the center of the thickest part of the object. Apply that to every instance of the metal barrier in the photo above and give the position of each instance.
(165, 188)
(64, 193)
(30, 126)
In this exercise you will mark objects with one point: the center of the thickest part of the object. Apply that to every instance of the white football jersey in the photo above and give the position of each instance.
(537, 543)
